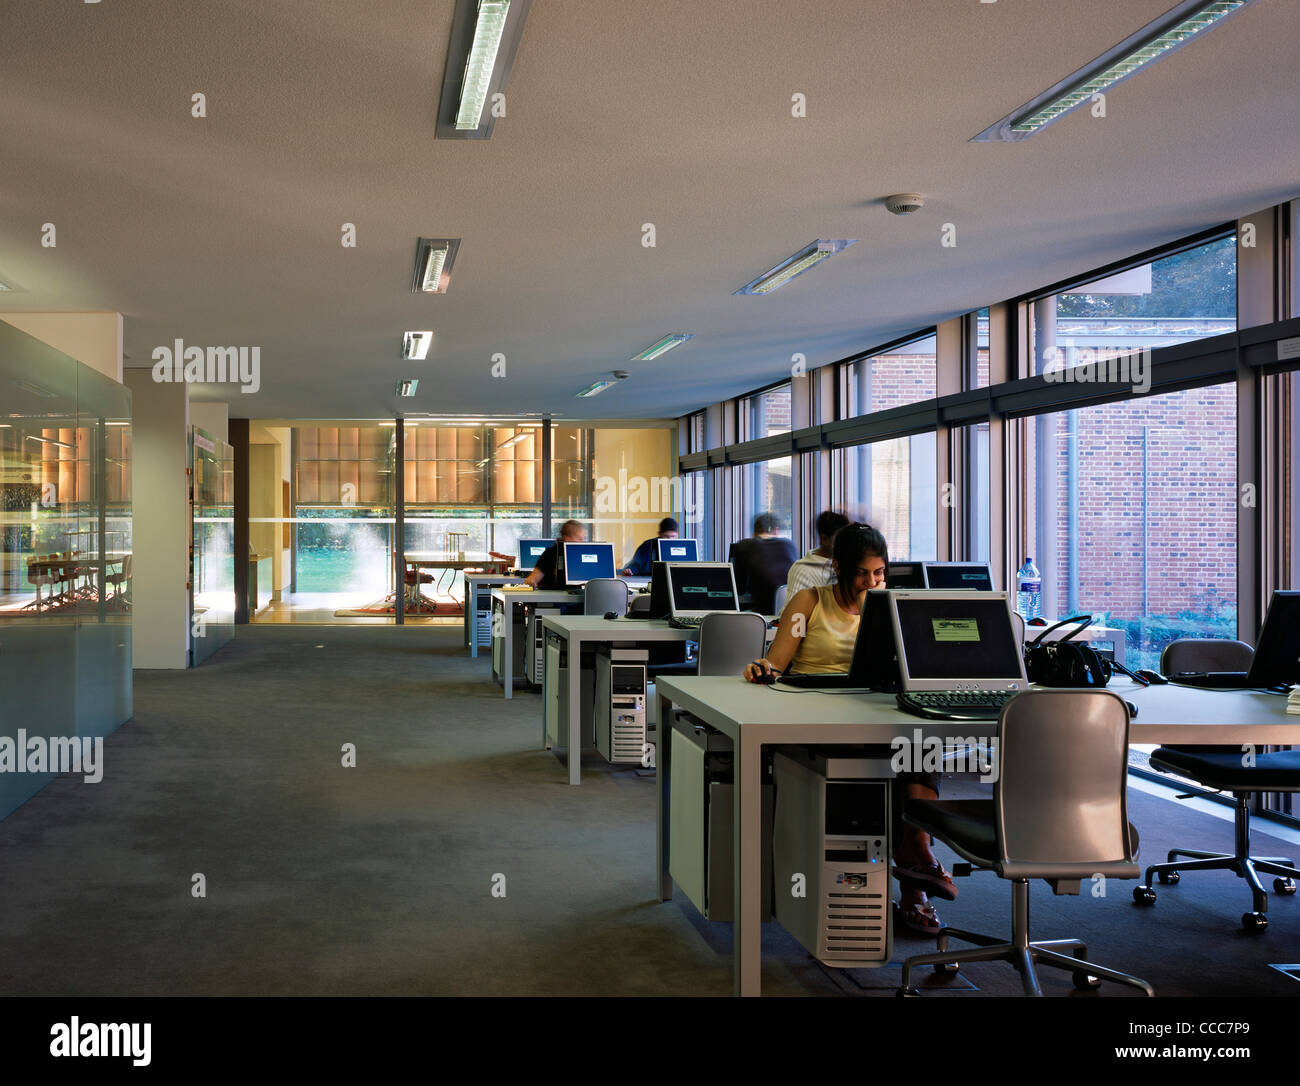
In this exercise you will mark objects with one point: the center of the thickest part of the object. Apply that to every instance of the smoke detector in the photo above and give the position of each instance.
(622, 375)
(904, 203)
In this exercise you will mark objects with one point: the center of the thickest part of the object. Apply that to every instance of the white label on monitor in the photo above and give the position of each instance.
(677, 552)
(1288, 348)
(590, 559)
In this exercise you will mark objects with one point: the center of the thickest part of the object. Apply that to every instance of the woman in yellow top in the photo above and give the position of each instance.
(819, 627)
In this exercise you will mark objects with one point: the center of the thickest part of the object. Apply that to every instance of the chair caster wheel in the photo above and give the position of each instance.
(1284, 886)
(1254, 921)
(947, 969)
(1144, 895)
(1086, 981)
(908, 993)
(1169, 878)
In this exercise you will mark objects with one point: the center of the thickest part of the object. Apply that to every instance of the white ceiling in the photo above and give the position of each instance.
(226, 230)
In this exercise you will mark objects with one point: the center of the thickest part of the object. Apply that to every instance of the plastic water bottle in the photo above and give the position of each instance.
(1029, 590)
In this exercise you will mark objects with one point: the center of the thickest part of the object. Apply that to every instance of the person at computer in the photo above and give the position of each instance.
(545, 574)
(761, 564)
(814, 569)
(648, 552)
(818, 629)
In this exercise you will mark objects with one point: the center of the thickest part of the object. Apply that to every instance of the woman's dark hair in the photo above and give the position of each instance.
(852, 544)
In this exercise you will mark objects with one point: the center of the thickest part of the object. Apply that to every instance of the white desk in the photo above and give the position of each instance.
(753, 716)
(507, 600)
(577, 631)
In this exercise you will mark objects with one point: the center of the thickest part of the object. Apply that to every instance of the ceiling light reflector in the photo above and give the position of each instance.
(488, 29)
(407, 386)
(415, 345)
(662, 346)
(808, 257)
(597, 387)
(1155, 40)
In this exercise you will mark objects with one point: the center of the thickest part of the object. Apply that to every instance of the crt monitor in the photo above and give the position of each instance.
(678, 550)
(700, 588)
(530, 550)
(956, 575)
(585, 562)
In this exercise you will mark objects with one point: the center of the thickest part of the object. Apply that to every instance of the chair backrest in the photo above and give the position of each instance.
(1205, 654)
(1060, 796)
(779, 605)
(729, 640)
(602, 594)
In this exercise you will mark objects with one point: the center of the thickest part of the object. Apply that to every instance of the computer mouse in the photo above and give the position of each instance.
(1132, 709)
(611, 614)
(1152, 676)
(1036, 622)
(767, 678)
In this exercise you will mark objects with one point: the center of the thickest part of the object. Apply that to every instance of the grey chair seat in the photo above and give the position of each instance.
(1221, 768)
(966, 824)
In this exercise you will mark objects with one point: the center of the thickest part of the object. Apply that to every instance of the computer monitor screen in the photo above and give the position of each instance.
(905, 575)
(530, 550)
(956, 641)
(1277, 656)
(585, 562)
(698, 588)
(678, 550)
(952, 575)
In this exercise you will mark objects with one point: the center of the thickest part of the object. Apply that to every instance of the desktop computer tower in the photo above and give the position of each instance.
(535, 644)
(621, 704)
(478, 609)
(701, 857)
(832, 827)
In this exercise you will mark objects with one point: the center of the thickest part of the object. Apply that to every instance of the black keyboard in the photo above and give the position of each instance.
(955, 704)
(684, 623)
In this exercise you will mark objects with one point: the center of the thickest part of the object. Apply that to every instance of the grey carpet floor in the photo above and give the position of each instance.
(377, 880)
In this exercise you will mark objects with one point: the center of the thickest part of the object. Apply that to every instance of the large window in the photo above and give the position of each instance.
(766, 487)
(1177, 299)
(765, 413)
(891, 486)
(899, 376)
(1131, 515)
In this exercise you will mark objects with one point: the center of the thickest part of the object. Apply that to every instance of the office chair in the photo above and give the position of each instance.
(1058, 812)
(779, 605)
(729, 640)
(1221, 768)
(603, 594)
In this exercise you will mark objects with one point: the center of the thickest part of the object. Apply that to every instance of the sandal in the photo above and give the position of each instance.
(931, 878)
(920, 917)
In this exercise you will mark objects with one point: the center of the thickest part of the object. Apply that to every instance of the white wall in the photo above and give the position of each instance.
(160, 565)
(92, 338)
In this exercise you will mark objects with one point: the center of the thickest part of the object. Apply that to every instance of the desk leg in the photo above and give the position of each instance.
(575, 710)
(663, 773)
(748, 889)
(471, 616)
(508, 659)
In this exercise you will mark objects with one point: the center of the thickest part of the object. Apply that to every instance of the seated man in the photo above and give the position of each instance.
(814, 569)
(546, 573)
(762, 564)
(648, 552)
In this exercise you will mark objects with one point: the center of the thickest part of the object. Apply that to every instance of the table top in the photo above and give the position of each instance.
(617, 629)
(537, 595)
(1166, 714)
(498, 578)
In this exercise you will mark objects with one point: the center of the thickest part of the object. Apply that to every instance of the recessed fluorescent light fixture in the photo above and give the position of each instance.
(415, 345)
(433, 260)
(597, 387)
(808, 257)
(1171, 31)
(408, 386)
(663, 346)
(485, 35)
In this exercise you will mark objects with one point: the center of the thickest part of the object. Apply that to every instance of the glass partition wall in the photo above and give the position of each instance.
(212, 544)
(65, 551)
(323, 507)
